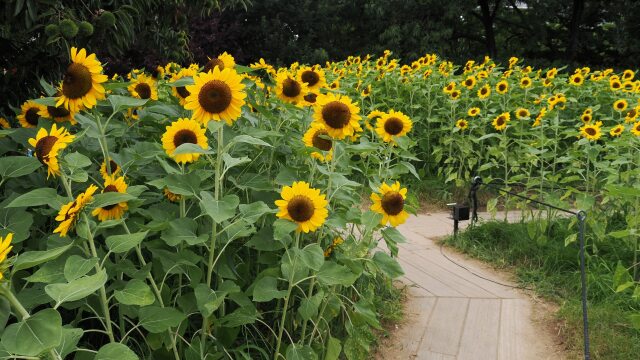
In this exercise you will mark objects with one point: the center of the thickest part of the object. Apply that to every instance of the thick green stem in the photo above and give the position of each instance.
(283, 318)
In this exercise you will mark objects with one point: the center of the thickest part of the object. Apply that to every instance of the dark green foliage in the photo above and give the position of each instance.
(68, 29)
(51, 30)
(85, 29)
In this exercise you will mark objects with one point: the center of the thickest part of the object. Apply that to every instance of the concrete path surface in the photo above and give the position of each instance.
(452, 314)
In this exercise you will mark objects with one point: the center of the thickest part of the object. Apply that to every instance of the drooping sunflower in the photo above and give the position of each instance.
(316, 137)
(69, 213)
(181, 92)
(223, 61)
(4, 124)
(216, 95)
(591, 131)
(393, 125)
(462, 124)
(338, 114)
(522, 113)
(313, 77)
(366, 91)
(113, 166)
(635, 129)
(484, 92)
(171, 196)
(502, 87)
(143, 87)
(47, 146)
(5, 247)
(81, 86)
(500, 122)
(30, 114)
(473, 112)
(373, 115)
(184, 131)
(304, 205)
(620, 105)
(114, 211)
(310, 99)
(389, 201)
(57, 114)
(289, 89)
(616, 130)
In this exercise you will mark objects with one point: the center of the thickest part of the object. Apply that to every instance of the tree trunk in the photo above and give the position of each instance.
(488, 17)
(574, 29)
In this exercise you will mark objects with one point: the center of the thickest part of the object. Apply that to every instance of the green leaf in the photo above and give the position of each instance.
(37, 197)
(125, 242)
(370, 220)
(136, 292)
(16, 221)
(208, 300)
(219, 210)
(635, 321)
(252, 212)
(110, 198)
(76, 289)
(570, 239)
(183, 184)
(77, 160)
(300, 352)
(115, 351)
(77, 266)
(334, 347)
(230, 161)
(334, 274)
(247, 140)
(309, 306)
(622, 280)
(16, 166)
(364, 310)
(266, 289)
(183, 230)
(119, 102)
(187, 80)
(46, 101)
(157, 319)
(188, 148)
(30, 259)
(242, 316)
(69, 341)
(312, 256)
(34, 335)
(388, 264)
(282, 228)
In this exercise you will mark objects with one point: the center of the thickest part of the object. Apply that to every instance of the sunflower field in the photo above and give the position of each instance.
(225, 211)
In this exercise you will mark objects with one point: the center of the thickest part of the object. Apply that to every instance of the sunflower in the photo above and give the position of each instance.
(338, 114)
(289, 89)
(57, 114)
(502, 87)
(223, 61)
(620, 105)
(171, 196)
(539, 117)
(262, 65)
(455, 94)
(473, 112)
(30, 114)
(47, 146)
(615, 85)
(158, 73)
(114, 211)
(635, 129)
(335, 85)
(4, 124)
(314, 78)
(81, 86)
(336, 242)
(586, 117)
(525, 82)
(366, 91)
(143, 87)
(500, 122)
(310, 99)
(375, 114)
(392, 125)
(522, 113)
(216, 95)
(318, 137)
(616, 130)
(113, 166)
(449, 88)
(576, 79)
(303, 205)
(628, 74)
(68, 214)
(551, 73)
(184, 131)
(462, 124)
(484, 92)
(469, 82)
(591, 131)
(389, 201)
(632, 115)
(181, 92)
(5, 247)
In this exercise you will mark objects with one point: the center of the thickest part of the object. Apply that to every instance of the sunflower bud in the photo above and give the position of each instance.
(85, 29)
(68, 29)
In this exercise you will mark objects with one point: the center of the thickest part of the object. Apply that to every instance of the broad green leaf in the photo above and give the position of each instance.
(157, 319)
(77, 160)
(252, 212)
(208, 300)
(30, 259)
(242, 316)
(16, 166)
(46, 101)
(300, 352)
(110, 198)
(188, 148)
(364, 310)
(309, 306)
(37, 197)
(247, 140)
(635, 321)
(282, 228)
(69, 341)
(388, 264)
(622, 280)
(230, 161)
(76, 289)
(183, 230)
(187, 184)
(34, 335)
(119, 102)
(219, 210)
(136, 292)
(5, 311)
(126, 242)
(370, 220)
(115, 351)
(334, 347)
(187, 80)
(334, 274)
(312, 256)
(266, 289)
(77, 266)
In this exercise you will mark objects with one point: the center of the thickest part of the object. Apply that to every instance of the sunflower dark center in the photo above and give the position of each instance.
(43, 148)
(113, 166)
(620, 105)
(57, 112)
(320, 142)
(501, 87)
(110, 188)
(483, 91)
(300, 208)
(215, 96)
(77, 81)
(336, 114)
(32, 116)
(184, 136)
(211, 64)
(143, 90)
(393, 126)
(183, 92)
(590, 131)
(291, 88)
(632, 113)
(311, 97)
(500, 121)
(392, 203)
(310, 77)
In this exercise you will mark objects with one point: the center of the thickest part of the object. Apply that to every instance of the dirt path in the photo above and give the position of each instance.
(452, 314)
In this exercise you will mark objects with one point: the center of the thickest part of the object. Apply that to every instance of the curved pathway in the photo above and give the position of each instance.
(452, 314)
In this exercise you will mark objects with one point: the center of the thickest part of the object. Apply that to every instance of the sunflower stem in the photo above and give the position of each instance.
(286, 300)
